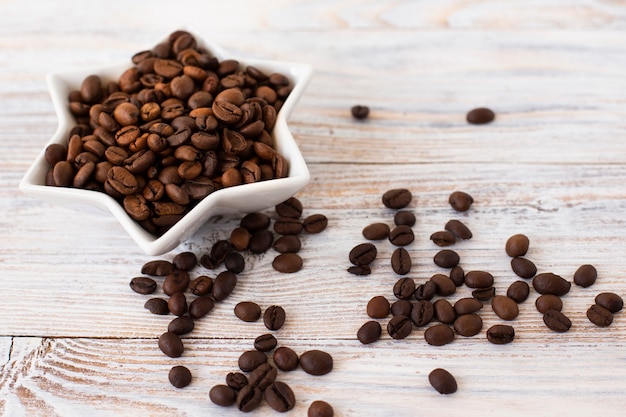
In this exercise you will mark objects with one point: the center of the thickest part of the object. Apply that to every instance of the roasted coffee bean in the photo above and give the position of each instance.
(285, 359)
(181, 325)
(500, 334)
(446, 258)
(479, 279)
(443, 238)
(504, 307)
(177, 281)
(255, 221)
(179, 376)
(610, 301)
(360, 111)
(443, 381)
(222, 395)
(157, 306)
(292, 207)
(363, 254)
(468, 325)
(404, 218)
(236, 380)
(201, 285)
(315, 223)
(401, 261)
(397, 198)
(223, 285)
(523, 267)
(91, 89)
(599, 315)
(234, 262)
(439, 335)
(219, 250)
(467, 305)
(360, 270)
(378, 307)
(404, 288)
(201, 306)
(422, 313)
(249, 398)
(249, 360)
(177, 304)
(260, 241)
(280, 397)
(444, 285)
(460, 200)
(316, 362)
(484, 294)
(444, 311)
(369, 332)
(517, 245)
(549, 283)
(287, 263)
(185, 261)
(518, 291)
(425, 291)
(403, 307)
(458, 229)
(143, 285)
(457, 275)
(247, 311)
(546, 302)
(320, 408)
(265, 342)
(288, 244)
(263, 376)
(399, 327)
(585, 276)
(401, 236)
(274, 317)
(557, 321)
(159, 268)
(480, 116)
(171, 345)
(240, 238)
(122, 180)
(376, 231)
(288, 226)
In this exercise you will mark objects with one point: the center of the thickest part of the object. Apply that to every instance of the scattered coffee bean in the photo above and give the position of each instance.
(234, 262)
(422, 313)
(457, 275)
(446, 258)
(444, 285)
(378, 307)
(403, 307)
(247, 311)
(444, 311)
(222, 395)
(185, 261)
(250, 359)
(397, 198)
(500, 334)
(442, 381)
(401, 236)
(143, 285)
(240, 238)
(181, 325)
(585, 276)
(265, 342)
(177, 304)
(180, 376)
(315, 223)
(443, 238)
(320, 408)
(439, 335)
(484, 294)
(523, 267)
(460, 200)
(236, 380)
(404, 288)
(157, 306)
(159, 268)
(177, 281)
(223, 285)
(255, 221)
(171, 345)
(599, 315)
(280, 397)
(288, 226)
(549, 283)
(201, 285)
(360, 112)
(360, 270)
(376, 231)
(286, 359)
(363, 254)
(479, 279)
(249, 398)
(404, 218)
(260, 241)
(517, 245)
(459, 229)
(274, 317)
(610, 301)
(518, 291)
(425, 291)
(201, 306)
(263, 376)
(316, 362)
(401, 261)
(480, 116)
(288, 244)
(467, 305)
(468, 325)
(369, 332)
(504, 307)
(557, 321)
(287, 263)
(399, 327)
(546, 302)
(292, 207)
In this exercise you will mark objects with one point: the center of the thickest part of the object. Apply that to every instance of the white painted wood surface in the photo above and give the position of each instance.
(75, 341)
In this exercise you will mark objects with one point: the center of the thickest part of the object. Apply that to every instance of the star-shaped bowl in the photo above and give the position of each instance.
(232, 200)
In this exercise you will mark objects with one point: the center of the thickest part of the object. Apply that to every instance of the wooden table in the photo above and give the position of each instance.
(76, 341)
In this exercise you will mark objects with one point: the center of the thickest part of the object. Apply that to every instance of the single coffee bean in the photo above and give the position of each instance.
(484, 294)
(222, 395)
(376, 231)
(404, 288)
(280, 397)
(177, 304)
(549, 283)
(439, 335)
(181, 325)
(480, 116)
(425, 291)
(260, 241)
(479, 279)
(180, 376)
(255, 221)
(274, 317)
(444, 311)
(500, 334)
(201, 306)
(585, 276)
(288, 226)
(457, 275)
(397, 198)
(360, 270)
(185, 261)
(223, 285)
(504, 307)
(240, 238)
(285, 359)
(518, 291)
(143, 285)
(287, 263)
(363, 254)
(610, 301)
(444, 285)
(523, 267)
(378, 307)
(404, 217)
(316, 362)
(265, 342)
(401, 236)
(399, 327)
(250, 359)
(369, 332)
(458, 229)
(248, 311)
(288, 244)
(201, 285)
(234, 262)
(546, 302)
(460, 200)
(443, 238)
(403, 307)
(422, 313)
(177, 281)
(446, 258)
(320, 408)
(557, 321)
(599, 315)
(159, 268)
(443, 381)
(359, 111)
(236, 380)
(249, 398)
(315, 223)
(171, 345)
(292, 207)
(467, 305)
(468, 325)
(517, 245)
(157, 306)
(263, 376)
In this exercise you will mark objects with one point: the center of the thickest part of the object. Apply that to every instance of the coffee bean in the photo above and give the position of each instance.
(157, 306)
(249, 360)
(504, 307)
(401, 236)
(179, 376)
(316, 362)
(468, 325)
(444, 311)
(518, 291)
(236, 380)
(287, 263)
(263, 376)
(315, 223)
(523, 267)
(444, 285)
(549, 283)
(557, 321)
(397, 198)
(443, 238)
(479, 279)
(288, 226)
(249, 398)
(222, 395)
(260, 241)
(480, 115)
(457, 275)
(446, 258)
(500, 334)
(177, 281)
(369, 332)
(240, 238)
(292, 207)
(320, 408)
(484, 294)
(285, 359)
(610, 301)
(363, 254)
(288, 244)
(546, 302)
(247, 311)
(376, 231)
(171, 345)
(255, 221)
(404, 288)
(159, 268)
(265, 342)
(201, 285)
(280, 397)
(422, 313)
(517, 245)
(585, 276)
(399, 327)
(442, 381)
(467, 305)
(181, 325)
(439, 335)
(403, 307)
(425, 291)
(177, 304)
(235, 263)
(404, 218)
(185, 261)
(143, 285)
(401, 261)
(274, 317)
(360, 270)
(360, 112)
(460, 200)
(223, 285)
(378, 307)
(458, 229)
(599, 315)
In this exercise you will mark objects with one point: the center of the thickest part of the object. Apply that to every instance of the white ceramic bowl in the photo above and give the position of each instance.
(228, 201)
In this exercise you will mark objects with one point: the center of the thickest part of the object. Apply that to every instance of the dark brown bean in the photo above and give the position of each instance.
(599, 315)
(363, 254)
(439, 335)
(376, 231)
(444, 311)
(287, 263)
(480, 116)
(315, 223)
(265, 342)
(280, 397)
(285, 359)
(292, 207)
(263, 376)
(369, 332)
(181, 325)
(459, 229)
(443, 238)
(401, 261)
(171, 345)
(422, 313)
(176, 281)
(401, 236)
(557, 321)
(247, 311)
(201, 306)
(399, 327)
(444, 285)
(249, 398)
(378, 307)
(479, 279)
(159, 268)
(157, 306)
(222, 395)
(523, 267)
(143, 285)
(404, 288)
(249, 360)
(504, 307)
(397, 198)
(446, 258)
(517, 245)
(274, 317)
(549, 283)
(467, 305)
(468, 325)
(585, 276)
(442, 381)
(610, 301)
(460, 200)
(546, 302)
(179, 376)
(316, 362)
(500, 334)
(518, 291)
